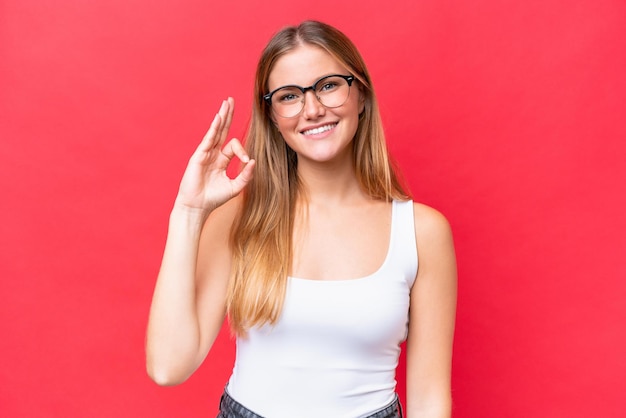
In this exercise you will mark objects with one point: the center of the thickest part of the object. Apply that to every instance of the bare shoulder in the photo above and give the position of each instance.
(430, 224)
(435, 245)
(216, 230)
(222, 218)
(214, 252)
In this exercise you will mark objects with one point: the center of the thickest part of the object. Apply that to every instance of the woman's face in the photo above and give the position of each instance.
(317, 134)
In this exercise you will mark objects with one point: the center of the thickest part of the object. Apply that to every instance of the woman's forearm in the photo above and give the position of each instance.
(173, 335)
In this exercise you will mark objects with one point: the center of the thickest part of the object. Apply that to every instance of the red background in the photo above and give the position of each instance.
(508, 116)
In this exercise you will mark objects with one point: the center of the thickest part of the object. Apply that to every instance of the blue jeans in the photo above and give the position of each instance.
(230, 408)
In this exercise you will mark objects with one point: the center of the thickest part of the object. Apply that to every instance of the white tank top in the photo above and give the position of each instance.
(334, 351)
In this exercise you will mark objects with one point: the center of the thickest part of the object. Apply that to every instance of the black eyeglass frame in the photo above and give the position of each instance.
(349, 79)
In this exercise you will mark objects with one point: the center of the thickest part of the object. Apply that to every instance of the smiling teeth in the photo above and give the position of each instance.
(320, 129)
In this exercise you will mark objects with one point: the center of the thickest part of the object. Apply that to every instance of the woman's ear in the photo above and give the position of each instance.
(275, 125)
(361, 99)
(272, 118)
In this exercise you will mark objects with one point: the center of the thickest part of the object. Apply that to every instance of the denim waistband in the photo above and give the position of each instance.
(230, 408)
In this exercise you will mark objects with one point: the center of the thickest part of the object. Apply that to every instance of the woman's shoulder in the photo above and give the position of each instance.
(214, 254)
(226, 213)
(219, 223)
(430, 223)
(435, 244)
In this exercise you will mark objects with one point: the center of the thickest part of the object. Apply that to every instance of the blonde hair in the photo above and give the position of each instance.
(261, 236)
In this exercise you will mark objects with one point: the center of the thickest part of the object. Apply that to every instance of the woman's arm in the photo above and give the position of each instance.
(431, 320)
(188, 305)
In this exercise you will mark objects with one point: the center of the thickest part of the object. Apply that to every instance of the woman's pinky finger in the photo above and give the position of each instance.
(208, 141)
(227, 119)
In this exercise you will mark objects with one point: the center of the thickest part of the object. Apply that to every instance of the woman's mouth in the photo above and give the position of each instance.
(319, 129)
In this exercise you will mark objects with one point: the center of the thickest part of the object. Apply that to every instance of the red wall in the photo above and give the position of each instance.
(508, 116)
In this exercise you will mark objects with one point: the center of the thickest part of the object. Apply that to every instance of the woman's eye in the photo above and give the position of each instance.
(328, 86)
(287, 97)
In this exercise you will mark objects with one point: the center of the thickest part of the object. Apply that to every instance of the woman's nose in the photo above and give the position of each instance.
(312, 106)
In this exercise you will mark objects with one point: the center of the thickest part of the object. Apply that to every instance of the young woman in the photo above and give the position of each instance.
(312, 252)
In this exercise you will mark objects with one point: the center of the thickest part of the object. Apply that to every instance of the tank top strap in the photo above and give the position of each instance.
(403, 244)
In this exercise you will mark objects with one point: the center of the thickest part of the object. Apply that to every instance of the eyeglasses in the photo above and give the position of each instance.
(331, 91)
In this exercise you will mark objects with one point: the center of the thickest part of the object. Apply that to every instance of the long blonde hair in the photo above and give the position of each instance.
(261, 236)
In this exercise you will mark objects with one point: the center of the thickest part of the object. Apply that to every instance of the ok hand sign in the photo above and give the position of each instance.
(205, 184)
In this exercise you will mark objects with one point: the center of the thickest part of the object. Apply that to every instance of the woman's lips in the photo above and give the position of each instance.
(320, 129)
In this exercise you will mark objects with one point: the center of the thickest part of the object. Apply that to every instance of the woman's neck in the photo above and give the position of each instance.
(330, 183)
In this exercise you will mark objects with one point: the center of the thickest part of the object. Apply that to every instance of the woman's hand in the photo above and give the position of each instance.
(205, 184)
